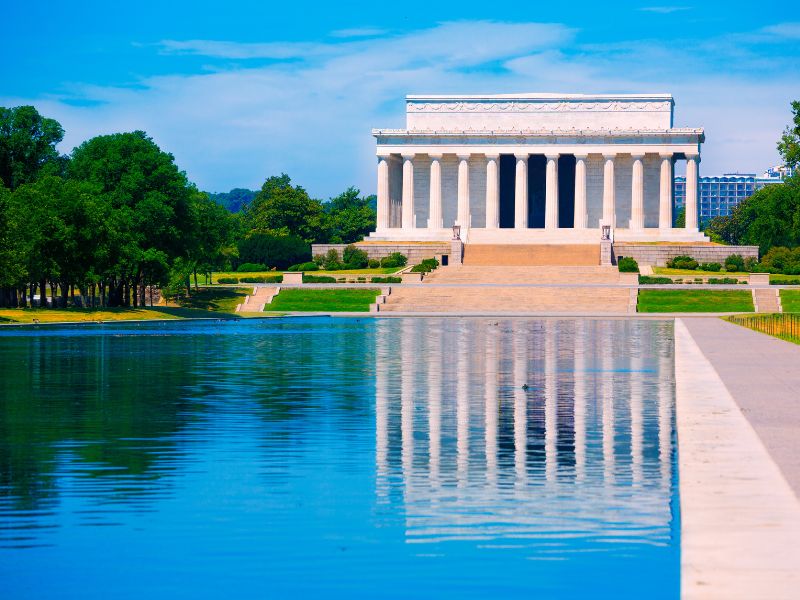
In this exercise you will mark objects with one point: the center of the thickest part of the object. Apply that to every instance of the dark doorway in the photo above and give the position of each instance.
(537, 175)
(566, 190)
(508, 168)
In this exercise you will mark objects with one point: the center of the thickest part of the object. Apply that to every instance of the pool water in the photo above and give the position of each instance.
(339, 458)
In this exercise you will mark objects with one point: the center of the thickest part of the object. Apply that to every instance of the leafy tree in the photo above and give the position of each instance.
(235, 200)
(150, 198)
(350, 217)
(680, 218)
(283, 209)
(789, 144)
(27, 145)
(279, 251)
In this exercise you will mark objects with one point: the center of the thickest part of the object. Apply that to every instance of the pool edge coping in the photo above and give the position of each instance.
(740, 519)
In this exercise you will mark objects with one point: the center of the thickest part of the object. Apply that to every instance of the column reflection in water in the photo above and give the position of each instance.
(452, 369)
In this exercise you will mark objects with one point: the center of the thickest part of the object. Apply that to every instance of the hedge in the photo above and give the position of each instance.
(228, 280)
(318, 279)
(389, 279)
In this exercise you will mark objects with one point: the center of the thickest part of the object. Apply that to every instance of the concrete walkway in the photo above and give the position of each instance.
(740, 519)
(762, 373)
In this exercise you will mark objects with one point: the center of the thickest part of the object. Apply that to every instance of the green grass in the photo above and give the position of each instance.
(695, 301)
(80, 315)
(698, 272)
(323, 300)
(790, 300)
(218, 299)
(378, 271)
(780, 278)
(783, 326)
(203, 280)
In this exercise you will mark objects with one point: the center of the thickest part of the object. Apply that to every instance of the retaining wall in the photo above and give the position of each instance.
(658, 254)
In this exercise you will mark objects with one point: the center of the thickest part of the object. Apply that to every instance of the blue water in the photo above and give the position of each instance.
(352, 458)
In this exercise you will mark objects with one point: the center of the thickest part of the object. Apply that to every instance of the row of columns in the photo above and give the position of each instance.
(551, 192)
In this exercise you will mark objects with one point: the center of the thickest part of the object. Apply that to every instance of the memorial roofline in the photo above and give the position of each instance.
(540, 132)
(539, 96)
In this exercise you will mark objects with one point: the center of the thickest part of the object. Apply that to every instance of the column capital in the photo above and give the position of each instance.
(552, 155)
(609, 155)
(408, 155)
(581, 155)
(666, 155)
(695, 156)
(384, 155)
(435, 155)
(637, 155)
(492, 156)
(463, 155)
(521, 155)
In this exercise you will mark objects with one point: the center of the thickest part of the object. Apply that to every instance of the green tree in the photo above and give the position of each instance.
(151, 202)
(27, 145)
(350, 217)
(284, 209)
(789, 144)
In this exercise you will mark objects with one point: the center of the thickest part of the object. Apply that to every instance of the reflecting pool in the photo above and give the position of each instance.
(334, 457)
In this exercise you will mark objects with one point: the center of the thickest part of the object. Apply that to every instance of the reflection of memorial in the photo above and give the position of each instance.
(526, 429)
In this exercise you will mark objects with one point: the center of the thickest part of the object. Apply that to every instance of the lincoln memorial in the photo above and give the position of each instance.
(536, 168)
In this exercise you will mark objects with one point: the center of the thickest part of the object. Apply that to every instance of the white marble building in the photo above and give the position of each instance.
(535, 168)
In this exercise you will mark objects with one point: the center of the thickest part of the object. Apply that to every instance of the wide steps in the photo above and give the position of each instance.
(481, 274)
(766, 300)
(260, 297)
(465, 299)
(532, 254)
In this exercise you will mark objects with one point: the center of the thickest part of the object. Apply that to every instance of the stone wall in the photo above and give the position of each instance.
(415, 252)
(658, 254)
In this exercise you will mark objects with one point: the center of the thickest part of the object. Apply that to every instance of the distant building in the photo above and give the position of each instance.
(720, 195)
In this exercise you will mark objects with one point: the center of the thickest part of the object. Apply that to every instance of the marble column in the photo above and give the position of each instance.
(551, 193)
(581, 216)
(609, 193)
(665, 193)
(492, 192)
(408, 191)
(463, 190)
(383, 193)
(692, 163)
(521, 192)
(637, 193)
(435, 207)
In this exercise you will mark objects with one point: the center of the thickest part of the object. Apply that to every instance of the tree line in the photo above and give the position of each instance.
(116, 217)
(770, 218)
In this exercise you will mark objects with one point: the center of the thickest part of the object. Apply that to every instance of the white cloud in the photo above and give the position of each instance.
(663, 10)
(358, 32)
(310, 110)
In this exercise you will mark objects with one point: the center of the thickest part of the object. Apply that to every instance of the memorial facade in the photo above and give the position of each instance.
(536, 168)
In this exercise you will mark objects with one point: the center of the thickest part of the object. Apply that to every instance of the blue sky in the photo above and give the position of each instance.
(239, 91)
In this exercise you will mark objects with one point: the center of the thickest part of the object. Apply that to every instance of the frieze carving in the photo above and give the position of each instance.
(521, 107)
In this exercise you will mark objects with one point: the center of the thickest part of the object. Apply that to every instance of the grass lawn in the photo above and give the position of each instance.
(202, 280)
(323, 300)
(217, 299)
(698, 272)
(790, 300)
(695, 301)
(72, 315)
(779, 278)
(783, 326)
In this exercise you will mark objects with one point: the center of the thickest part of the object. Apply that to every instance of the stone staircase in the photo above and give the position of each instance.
(477, 299)
(470, 274)
(532, 254)
(767, 300)
(260, 297)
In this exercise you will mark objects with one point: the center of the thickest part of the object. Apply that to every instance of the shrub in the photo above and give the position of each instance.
(751, 265)
(786, 282)
(420, 268)
(723, 280)
(627, 264)
(228, 280)
(374, 263)
(354, 257)
(251, 268)
(389, 279)
(782, 260)
(682, 262)
(319, 259)
(278, 251)
(331, 261)
(649, 280)
(715, 267)
(734, 262)
(395, 259)
(306, 266)
(318, 279)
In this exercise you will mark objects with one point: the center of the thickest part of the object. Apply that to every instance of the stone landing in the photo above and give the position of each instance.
(532, 254)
